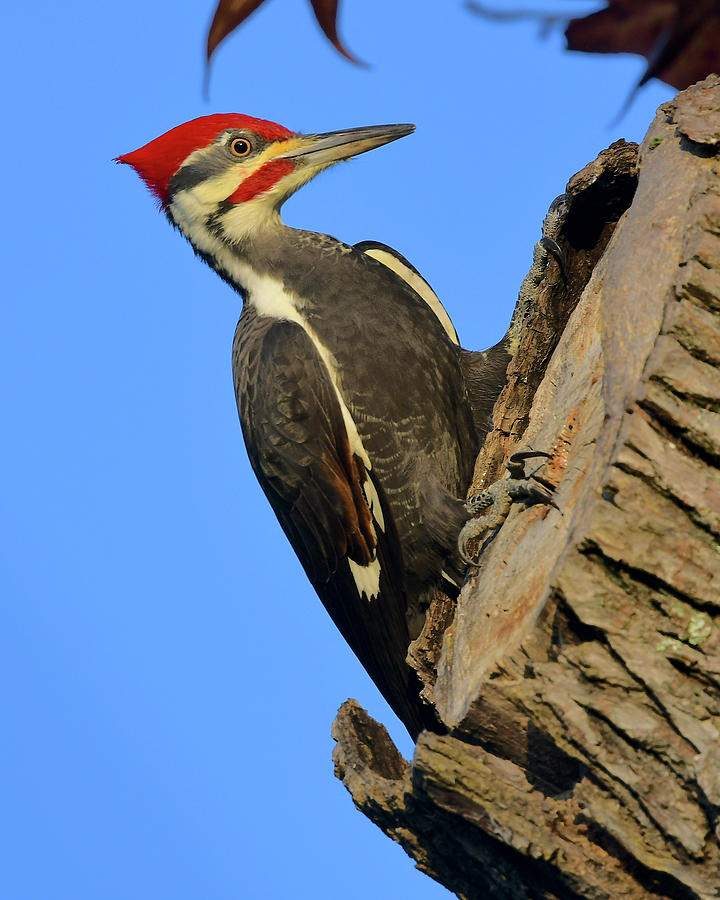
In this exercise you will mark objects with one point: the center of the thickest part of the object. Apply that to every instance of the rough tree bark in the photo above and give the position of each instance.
(579, 672)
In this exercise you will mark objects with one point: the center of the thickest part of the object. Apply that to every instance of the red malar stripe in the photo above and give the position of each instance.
(267, 176)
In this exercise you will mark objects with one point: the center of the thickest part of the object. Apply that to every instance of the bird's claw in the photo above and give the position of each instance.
(470, 531)
(551, 228)
(530, 492)
(546, 248)
(553, 249)
(515, 464)
(490, 507)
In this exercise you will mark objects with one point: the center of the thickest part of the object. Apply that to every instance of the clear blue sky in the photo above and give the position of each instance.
(168, 677)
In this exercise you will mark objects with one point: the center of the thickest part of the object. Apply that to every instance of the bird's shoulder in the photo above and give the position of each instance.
(401, 267)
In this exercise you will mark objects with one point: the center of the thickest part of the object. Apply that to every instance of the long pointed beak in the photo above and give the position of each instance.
(322, 149)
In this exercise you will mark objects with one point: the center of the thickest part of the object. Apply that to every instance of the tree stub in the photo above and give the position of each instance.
(579, 674)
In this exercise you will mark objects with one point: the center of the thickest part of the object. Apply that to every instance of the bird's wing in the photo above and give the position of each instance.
(397, 263)
(330, 506)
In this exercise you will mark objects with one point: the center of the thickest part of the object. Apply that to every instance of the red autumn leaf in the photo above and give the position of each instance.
(231, 13)
(679, 38)
(228, 15)
(326, 12)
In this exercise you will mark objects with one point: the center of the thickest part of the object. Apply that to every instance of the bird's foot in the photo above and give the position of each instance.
(547, 247)
(490, 507)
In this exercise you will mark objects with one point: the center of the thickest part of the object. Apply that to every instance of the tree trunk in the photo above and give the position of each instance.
(579, 672)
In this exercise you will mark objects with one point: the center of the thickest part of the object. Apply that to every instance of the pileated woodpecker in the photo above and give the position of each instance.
(362, 415)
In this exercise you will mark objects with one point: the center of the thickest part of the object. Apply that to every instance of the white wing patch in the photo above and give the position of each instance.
(366, 578)
(373, 501)
(418, 284)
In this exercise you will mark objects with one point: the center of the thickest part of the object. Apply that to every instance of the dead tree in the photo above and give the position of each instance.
(579, 672)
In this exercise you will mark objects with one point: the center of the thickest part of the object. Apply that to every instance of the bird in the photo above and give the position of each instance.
(361, 413)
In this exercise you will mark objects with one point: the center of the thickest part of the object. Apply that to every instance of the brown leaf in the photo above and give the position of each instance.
(231, 13)
(326, 12)
(679, 38)
(228, 15)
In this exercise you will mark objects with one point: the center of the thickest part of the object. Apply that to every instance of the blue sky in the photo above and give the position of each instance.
(168, 677)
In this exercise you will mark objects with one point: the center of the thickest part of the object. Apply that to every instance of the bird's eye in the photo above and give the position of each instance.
(240, 147)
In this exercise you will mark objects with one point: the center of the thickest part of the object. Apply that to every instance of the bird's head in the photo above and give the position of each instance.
(231, 173)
